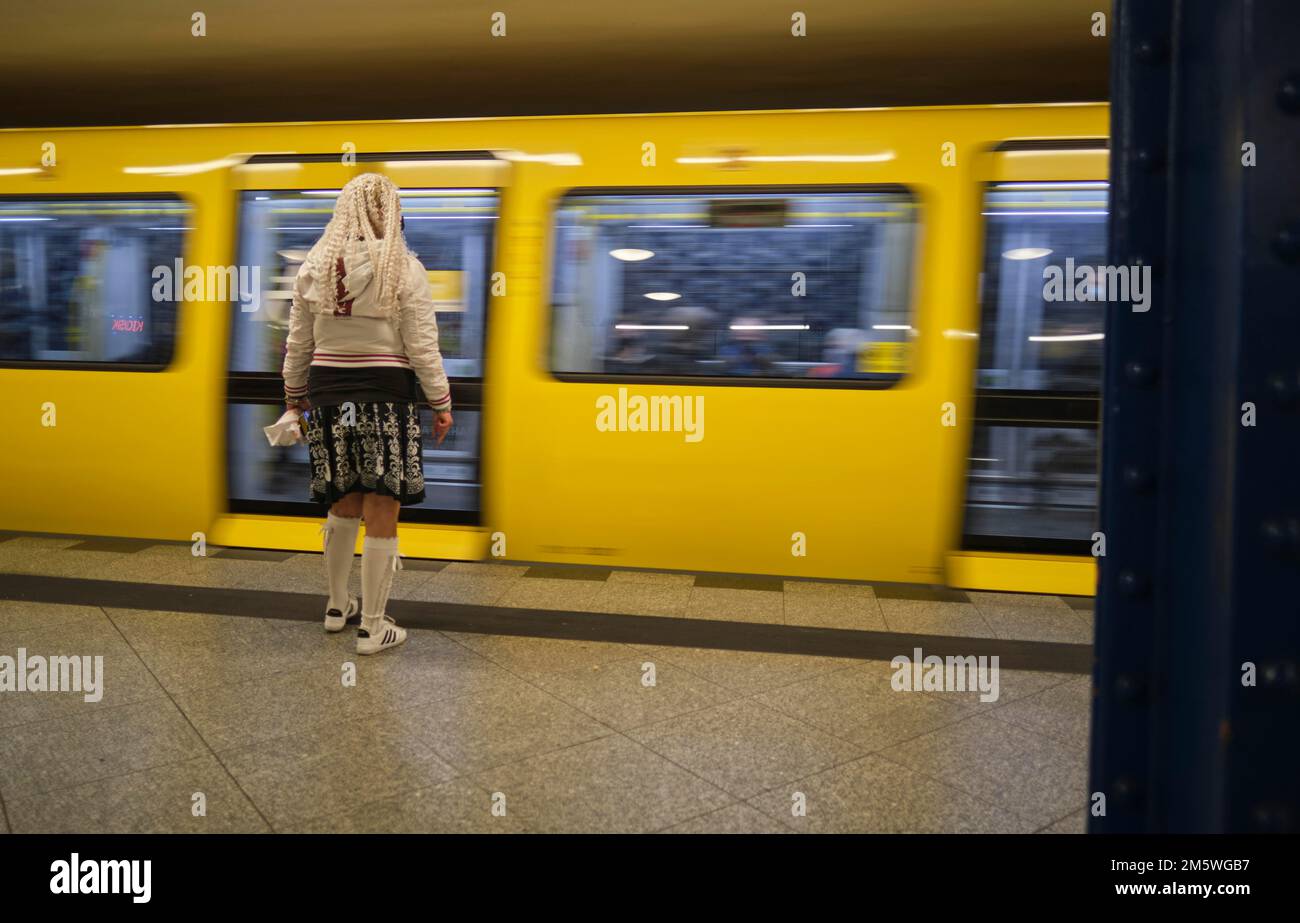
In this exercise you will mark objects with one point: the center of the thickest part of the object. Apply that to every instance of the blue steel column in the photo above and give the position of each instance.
(1202, 514)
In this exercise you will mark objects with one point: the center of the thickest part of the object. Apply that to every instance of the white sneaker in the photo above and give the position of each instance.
(337, 621)
(385, 636)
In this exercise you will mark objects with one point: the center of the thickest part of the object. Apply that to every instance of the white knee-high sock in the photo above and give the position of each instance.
(340, 549)
(378, 563)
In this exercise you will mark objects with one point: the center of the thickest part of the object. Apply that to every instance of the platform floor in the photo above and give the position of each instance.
(523, 686)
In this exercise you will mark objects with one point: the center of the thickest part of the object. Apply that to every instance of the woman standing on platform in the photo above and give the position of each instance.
(363, 342)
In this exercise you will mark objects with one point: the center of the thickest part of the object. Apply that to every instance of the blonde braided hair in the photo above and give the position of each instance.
(370, 209)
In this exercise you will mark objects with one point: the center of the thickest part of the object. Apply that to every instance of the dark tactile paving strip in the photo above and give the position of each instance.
(921, 591)
(254, 554)
(569, 571)
(1080, 603)
(739, 582)
(544, 623)
(118, 545)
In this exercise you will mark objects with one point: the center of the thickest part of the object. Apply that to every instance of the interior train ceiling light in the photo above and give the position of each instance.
(19, 171)
(1068, 338)
(891, 326)
(1026, 253)
(651, 327)
(1063, 213)
(961, 334)
(631, 254)
(770, 327)
(662, 296)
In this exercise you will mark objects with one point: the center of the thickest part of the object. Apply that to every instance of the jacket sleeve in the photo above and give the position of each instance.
(419, 330)
(300, 344)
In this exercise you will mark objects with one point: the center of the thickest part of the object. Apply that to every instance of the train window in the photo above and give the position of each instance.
(450, 230)
(1029, 342)
(264, 478)
(745, 283)
(1032, 483)
(1032, 488)
(91, 280)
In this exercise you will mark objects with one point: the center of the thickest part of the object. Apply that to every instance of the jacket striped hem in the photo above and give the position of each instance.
(350, 360)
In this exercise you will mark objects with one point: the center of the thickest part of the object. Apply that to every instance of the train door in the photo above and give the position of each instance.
(720, 357)
(1032, 472)
(450, 203)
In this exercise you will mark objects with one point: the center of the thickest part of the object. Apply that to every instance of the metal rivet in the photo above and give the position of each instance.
(1150, 50)
(1271, 817)
(1131, 583)
(1137, 478)
(1283, 387)
(1288, 93)
(1125, 788)
(1286, 242)
(1139, 373)
(1129, 688)
(1149, 160)
(1282, 536)
(1281, 674)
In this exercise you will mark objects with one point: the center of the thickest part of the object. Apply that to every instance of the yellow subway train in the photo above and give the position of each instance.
(801, 343)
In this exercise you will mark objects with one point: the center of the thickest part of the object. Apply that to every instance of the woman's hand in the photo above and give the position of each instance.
(302, 406)
(441, 423)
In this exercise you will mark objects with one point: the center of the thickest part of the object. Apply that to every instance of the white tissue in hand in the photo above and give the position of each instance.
(284, 431)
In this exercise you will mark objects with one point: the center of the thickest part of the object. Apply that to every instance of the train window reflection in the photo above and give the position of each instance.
(261, 475)
(1031, 484)
(450, 230)
(1028, 342)
(80, 279)
(763, 284)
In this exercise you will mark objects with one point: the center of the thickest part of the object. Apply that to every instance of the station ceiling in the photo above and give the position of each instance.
(84, 62)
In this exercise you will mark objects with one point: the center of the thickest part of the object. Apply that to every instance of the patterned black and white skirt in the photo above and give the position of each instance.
(367, 446)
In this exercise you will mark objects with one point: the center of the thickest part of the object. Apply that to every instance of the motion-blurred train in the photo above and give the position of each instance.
(801, 343)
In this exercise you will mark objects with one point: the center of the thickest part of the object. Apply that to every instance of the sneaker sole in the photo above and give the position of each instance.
(333, 624)
(380, 649)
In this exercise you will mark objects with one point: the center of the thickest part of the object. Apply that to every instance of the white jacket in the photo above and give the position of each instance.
(366, 332)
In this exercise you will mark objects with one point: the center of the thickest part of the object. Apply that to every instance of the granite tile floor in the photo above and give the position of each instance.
(219, 723)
